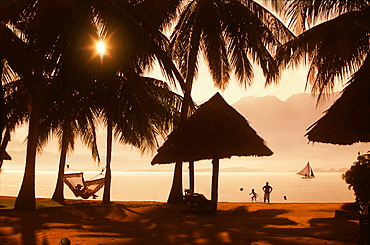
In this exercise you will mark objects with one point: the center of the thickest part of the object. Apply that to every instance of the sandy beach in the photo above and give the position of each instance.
(89, 222)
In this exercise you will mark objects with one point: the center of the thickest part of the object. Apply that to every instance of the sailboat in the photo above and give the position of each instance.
(307, 172)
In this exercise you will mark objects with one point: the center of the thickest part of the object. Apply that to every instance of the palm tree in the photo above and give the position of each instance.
(137, 116)
(67, 132)
(231, 35)
(71, 116)
(333, 49)
(53, 41)
(45, 64)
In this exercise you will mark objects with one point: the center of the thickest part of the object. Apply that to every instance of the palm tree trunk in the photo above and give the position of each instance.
(108, 174)
(26, 197)
(3, 141)
(2, 114)
(176, 196)
(58, 195)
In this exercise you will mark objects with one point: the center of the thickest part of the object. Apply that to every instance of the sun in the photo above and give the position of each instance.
(101, 48)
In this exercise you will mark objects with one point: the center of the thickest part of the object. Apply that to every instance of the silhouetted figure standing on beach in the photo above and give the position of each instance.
(267, 190)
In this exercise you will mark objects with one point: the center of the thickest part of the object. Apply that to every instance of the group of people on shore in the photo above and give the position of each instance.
(267, 189)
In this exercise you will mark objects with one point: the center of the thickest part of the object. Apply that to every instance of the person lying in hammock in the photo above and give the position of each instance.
(84, 192)
(82, 188)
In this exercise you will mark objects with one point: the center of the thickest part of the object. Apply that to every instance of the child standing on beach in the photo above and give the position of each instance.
(254, 195)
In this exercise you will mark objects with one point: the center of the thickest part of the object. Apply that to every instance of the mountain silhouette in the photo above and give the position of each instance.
(283, 125)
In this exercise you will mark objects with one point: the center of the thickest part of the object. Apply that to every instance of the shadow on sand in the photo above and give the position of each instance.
(166, 224)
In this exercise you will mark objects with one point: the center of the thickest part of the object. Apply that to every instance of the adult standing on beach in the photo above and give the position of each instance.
(267, 189)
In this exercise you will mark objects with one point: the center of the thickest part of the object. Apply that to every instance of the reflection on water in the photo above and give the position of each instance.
(155, 186)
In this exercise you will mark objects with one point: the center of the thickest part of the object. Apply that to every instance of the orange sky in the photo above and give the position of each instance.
(291, 82)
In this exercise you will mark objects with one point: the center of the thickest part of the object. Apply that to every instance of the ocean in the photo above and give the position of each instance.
(327, 187)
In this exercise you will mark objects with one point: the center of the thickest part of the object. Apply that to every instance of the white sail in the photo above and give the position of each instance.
(307, 171)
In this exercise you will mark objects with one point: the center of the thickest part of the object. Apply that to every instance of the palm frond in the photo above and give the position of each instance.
(303, 15)
(135, 41)
(232, 35)
(333, 50)
(347, 120)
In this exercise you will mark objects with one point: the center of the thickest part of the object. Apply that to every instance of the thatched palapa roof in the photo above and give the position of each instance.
(347, 121)
(215, 130)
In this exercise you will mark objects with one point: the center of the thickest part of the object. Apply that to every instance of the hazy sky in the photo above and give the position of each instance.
(291, 82)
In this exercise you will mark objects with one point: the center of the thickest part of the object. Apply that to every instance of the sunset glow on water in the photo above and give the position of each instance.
(155, 186)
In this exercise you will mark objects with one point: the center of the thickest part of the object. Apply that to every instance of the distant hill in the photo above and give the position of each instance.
(283, 125)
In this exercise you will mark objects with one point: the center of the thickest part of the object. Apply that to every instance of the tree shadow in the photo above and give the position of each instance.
(167, 224)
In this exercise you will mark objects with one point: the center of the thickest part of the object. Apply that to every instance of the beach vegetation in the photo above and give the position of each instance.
(358, 177)
(332, 40)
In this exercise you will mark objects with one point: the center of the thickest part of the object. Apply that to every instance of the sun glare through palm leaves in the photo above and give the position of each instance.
(101, 48)
(98, 48)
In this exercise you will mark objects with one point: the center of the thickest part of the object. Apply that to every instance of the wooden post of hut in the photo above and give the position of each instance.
(191, 175)
(214, 194)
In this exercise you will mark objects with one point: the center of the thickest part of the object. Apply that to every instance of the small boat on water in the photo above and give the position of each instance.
(307, 172)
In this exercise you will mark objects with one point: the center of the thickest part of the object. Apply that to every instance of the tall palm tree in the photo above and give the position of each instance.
(50, 41)
(68, 132)
(231, 35)
(46, 60)
(137, 116)
(70, 116)
(333, 40)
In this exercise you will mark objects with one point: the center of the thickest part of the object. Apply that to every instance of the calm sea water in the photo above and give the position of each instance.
(155, 186)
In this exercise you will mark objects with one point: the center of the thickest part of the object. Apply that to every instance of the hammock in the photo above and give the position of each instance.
(82, 188)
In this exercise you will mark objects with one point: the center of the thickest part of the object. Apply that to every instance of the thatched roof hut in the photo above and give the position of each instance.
(347, 121)
(216, 130)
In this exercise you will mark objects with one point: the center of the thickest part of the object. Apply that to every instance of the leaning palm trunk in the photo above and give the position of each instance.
(108, 175)
(176, 196)
(2, 115)
(58, 195)
(26, 197)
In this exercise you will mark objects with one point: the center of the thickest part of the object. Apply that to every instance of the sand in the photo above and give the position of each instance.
(87, 222)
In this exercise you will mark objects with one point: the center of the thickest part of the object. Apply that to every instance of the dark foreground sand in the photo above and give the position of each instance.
(158, 223)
